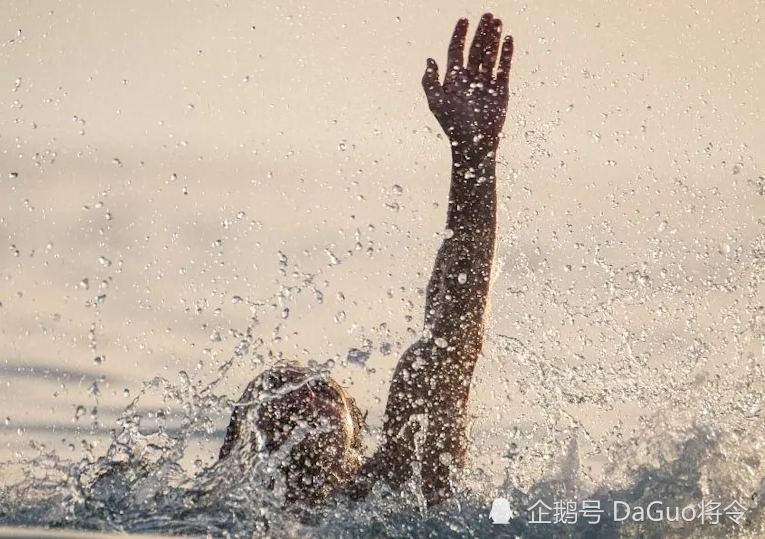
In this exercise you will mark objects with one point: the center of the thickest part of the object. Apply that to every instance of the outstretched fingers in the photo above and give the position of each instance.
(480, 42)
(455, 58)
(505, 60)
(491, 49)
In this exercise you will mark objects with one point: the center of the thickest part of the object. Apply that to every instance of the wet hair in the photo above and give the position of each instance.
(307, 415)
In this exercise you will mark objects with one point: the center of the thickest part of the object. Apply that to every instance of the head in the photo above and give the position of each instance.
(310, 418)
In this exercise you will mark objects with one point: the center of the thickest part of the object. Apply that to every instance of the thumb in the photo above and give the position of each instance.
(431, 83)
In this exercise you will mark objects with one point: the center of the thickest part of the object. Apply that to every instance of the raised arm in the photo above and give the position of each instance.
(428, 397)
(471, 106)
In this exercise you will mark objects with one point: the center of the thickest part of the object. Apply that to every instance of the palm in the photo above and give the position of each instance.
(471, 104)
(471, 112)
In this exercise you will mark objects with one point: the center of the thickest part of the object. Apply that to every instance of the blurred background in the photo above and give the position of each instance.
(181, 180)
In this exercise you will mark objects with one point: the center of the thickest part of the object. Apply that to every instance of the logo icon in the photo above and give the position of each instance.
(500, 511)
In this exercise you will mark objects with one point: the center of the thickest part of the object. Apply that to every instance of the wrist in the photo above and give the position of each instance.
(472, 155)
(477, 148)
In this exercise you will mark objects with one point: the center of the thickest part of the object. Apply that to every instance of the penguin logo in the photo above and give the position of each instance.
(500, 511)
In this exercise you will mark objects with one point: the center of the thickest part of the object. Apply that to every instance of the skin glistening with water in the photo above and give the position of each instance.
(311, 416)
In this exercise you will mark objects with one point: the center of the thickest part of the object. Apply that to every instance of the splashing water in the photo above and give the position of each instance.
(679, 458)
(624, 360)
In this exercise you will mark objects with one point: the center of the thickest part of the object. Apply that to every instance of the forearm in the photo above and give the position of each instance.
(473, 193)
(458, 291)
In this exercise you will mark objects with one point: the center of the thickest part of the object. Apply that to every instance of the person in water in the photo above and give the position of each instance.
(310, 417)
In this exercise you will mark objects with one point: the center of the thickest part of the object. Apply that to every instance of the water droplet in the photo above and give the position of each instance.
(512, 451)
(126, 393)
(462, 278)
(13, 175)
(342, 146)
(79, 412)
(340, 317)
(398, 190)
(333, 260)
(448, 233)
(215, 336)
(441, 342)
(359, 357)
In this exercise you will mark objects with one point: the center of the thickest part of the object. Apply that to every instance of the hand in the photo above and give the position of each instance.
(471, 104)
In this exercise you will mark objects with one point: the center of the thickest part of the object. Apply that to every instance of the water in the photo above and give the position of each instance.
(175, 222)
(139, 487)
(631, 381)
(708, 450)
